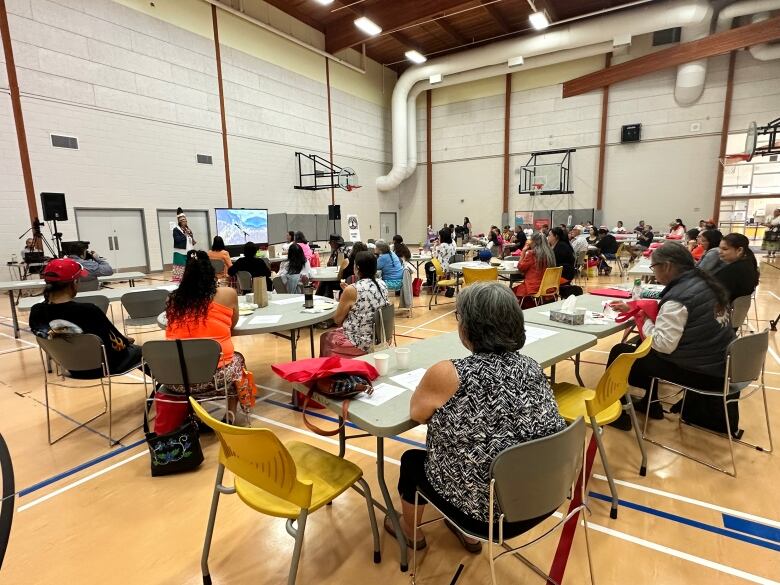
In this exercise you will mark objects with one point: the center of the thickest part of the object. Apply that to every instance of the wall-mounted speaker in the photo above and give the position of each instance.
(334, 212)
(631, 133)
(54, 208)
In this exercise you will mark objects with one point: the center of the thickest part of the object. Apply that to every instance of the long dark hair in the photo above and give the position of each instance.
(681, 257)
(403, 252)
(295, 259)
(741, 241)
(560, 233)
(196, 291)
(218, 244)
(300, 238)
(445, 236)
(713, 238)
(365, 263)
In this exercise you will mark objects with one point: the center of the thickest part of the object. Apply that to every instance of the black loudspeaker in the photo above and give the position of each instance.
(631, 133)
(334, 212)
(54, 208)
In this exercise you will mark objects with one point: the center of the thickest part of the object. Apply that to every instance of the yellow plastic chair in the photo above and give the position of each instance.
(439, 284)
(288, 480)
(549, 287)
(602, 405)
(472, 275)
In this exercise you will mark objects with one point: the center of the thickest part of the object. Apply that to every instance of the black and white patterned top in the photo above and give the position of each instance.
(444, 253)
(502, 400)
(359, 323)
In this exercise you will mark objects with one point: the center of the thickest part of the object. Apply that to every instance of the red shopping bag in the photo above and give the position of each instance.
(640, 311)
(309, 370)
(416, 286)
(171, 410)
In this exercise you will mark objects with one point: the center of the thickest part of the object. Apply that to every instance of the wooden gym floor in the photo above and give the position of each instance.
(90, 514)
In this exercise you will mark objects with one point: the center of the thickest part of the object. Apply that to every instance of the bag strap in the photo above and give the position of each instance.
(314, 428)
(149, 401)
(185, 375)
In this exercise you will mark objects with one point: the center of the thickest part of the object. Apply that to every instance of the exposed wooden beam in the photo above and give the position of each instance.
(330, 131)
(491, 8)
(406, 41)
(451, 31)
(429, 163)
(717, 44)
(603, 141)
(342, 33)
(724, 134)
(507, 114)
(305, 17)
(218, 56)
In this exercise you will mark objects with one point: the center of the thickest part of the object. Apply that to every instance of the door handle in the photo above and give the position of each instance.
(110, 243)
(116, 242)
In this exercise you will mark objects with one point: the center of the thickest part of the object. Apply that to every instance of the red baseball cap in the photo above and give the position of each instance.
(63, 270)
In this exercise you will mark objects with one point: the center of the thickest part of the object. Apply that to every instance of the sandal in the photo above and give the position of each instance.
(472, 547)
(418, 545)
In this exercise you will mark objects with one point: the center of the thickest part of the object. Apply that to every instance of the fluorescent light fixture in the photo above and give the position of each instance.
(539, 20)
(415, 57)
(435, 78)
(515, 62)
(324, 2)
(368, 26)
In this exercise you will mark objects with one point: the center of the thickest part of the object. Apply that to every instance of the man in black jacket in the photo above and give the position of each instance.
(252, 264)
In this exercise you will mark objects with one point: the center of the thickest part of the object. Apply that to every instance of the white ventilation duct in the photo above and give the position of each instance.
(729, 13)
(649, 18)
(484, 73)
(764, 51)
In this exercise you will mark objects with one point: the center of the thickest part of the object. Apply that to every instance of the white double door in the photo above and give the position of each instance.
(118, 235)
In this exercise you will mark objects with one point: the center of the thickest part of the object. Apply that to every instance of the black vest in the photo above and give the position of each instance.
(704, 341)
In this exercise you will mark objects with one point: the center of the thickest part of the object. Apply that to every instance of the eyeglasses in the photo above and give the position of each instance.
(457, 316)
(652, 266)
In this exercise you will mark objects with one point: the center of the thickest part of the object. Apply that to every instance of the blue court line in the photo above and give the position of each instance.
(81, 467)
(750, 527)
(688, 522)
(335, 420)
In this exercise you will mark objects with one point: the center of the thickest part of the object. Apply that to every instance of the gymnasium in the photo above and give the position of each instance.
(389, 291)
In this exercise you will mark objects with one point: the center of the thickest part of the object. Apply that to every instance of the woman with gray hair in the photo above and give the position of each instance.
(536, 257)
(691, 334)
(475, 408)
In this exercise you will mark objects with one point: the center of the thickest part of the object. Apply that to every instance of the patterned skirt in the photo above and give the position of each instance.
(226, 375)
(179, 261)
(771, 241)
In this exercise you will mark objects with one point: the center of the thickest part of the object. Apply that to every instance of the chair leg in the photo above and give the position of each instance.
(111, 441)
(204, 559)
(372, 519)
(730, 438)
(603, 453)
(299, 530)
(587, 541)
(635, 424)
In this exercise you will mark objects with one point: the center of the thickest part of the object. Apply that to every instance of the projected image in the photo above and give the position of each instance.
(238, 226)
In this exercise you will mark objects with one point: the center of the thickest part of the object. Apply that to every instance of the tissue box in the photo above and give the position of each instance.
(576, 318)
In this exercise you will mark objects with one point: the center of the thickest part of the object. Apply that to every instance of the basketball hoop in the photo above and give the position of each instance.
(733, 159)
(348, 179)
(352, 187)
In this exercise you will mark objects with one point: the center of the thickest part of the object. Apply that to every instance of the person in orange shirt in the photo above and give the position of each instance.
(201, 309)
(536, 257)
(218, 252)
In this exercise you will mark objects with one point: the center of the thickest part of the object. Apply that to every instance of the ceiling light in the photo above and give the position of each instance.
(415, 57)
(324, 2)
(539, 20)
(515, 62)
(435, 78)
(368, 26)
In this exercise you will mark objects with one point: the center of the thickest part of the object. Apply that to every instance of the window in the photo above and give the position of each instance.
(204, 159)
(60, 141)
(666, 36)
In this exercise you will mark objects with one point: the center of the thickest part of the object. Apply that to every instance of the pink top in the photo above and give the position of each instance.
(307, 253)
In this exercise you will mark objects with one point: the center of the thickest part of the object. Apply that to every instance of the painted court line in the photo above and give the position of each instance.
(421, 325)
(19, 339)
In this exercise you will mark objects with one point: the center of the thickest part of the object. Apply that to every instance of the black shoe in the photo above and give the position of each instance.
(656, 410)
(623, 422)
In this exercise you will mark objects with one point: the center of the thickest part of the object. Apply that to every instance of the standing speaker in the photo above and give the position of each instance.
(54, 207)
(334, 212)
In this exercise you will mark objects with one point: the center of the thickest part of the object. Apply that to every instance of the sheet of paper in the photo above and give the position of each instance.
(242, 320)
(593, 318)
(382, 393)
(290, 301)
(535, 334)
(409, 380)
(264, 319)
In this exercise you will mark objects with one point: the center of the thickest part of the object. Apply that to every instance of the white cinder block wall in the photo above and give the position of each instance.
(140, 93)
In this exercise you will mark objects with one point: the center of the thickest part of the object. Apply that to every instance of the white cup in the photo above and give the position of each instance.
(402, 357)
(382, 363)
(336, 295)
(250, 298)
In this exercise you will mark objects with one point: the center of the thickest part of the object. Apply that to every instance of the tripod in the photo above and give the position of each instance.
(39, 242)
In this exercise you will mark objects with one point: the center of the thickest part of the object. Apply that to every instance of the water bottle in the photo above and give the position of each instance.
(636, 290)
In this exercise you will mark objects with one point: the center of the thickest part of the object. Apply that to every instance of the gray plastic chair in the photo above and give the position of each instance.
(100, 301)
(219, 266)
(244, 280)
(143, 307)
(739, 312)
(745, 359)
(516, 495)
(79, 352)
(88, 285)
(384, 325)
(279, 286)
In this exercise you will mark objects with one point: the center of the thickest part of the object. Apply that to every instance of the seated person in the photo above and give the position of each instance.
(90, 261)
(608, 247)
(201, 309)
(619, 229)
(295, 271)
(348, 274)
(397, 239)
(61, 277)
(517, 241)
(390, 265)
(301, 240)
(690, 337)
(475, 408)
(644, 238)
(250, 263)
(677, 229)
(563, 251)
(579, 243)
(290, 239)
(403, 252)
(739, 272)
(709, 258)
(29, 246)
(356, 310)
(535, 259)
(443, 251)
(218, 252)
(336, 258)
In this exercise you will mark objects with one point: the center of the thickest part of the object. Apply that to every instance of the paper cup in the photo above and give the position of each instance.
(402, 357)
(382, 363)
(250, 298)
(336, 295)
